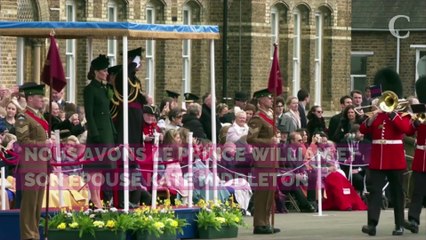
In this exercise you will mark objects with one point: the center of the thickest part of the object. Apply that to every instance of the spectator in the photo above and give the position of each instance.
(191, 121)
(239, 128)
(303, 97)
(206, 117)
(291, 119)
(349, 118)
(366, 99)
(250, 109)
(316, 122)
(335, 120)
(175, 119)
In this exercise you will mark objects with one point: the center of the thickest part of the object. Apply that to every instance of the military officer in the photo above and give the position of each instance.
(100, 129)
(387, 160)
(31, 133)
(419, 163)
(261, 135)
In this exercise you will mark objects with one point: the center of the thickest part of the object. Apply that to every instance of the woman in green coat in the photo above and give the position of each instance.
(100, 129)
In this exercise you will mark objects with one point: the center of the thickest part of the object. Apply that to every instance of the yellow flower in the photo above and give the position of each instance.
(73, 225)
(110, 224)
(159, 225)
(62, 226)
(172, 223)
(98, 224)
(202, 203)
(178, 203)
(220, 219)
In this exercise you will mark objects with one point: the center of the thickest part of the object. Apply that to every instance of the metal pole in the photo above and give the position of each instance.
(125, 127)
(213, 117)
(225, 51)
(190, 174)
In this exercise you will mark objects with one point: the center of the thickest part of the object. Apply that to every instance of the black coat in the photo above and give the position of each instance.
(194, 125)
(206, 120)
(135, 117)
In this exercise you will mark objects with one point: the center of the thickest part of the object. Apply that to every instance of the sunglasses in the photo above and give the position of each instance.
(319, 112)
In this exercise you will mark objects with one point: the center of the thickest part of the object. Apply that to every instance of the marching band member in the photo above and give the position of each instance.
(419, 164)
(387, 162)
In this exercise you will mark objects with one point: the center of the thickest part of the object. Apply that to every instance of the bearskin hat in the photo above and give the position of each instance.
(389, 80)
(421, 89)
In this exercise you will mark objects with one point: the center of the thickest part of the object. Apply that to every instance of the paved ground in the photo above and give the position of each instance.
(332, 225)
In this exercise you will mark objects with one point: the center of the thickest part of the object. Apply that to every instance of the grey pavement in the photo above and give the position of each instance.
(332, 225)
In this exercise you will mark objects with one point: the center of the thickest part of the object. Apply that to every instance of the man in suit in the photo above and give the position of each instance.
(206, 117)
(304, 98)
(31, 133)
(387, 162)
(333, 126)
(261, 135)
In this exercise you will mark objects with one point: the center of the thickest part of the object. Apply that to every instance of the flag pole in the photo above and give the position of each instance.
(49, 135)
(274, 87)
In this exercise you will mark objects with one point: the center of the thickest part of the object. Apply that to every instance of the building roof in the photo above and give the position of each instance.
(376, 14)
(108, 29)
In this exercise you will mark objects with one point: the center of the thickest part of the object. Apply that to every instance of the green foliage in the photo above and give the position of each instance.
(88, 221)
(157, 221)
(219, 214)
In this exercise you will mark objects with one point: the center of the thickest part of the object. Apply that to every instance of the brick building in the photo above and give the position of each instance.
(314, 40)
(388, 34)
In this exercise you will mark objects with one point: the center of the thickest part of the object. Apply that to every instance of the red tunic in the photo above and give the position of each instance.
(387, 151)
(419, 162)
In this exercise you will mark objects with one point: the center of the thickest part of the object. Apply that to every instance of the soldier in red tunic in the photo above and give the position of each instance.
(419, 164)
(387, 162)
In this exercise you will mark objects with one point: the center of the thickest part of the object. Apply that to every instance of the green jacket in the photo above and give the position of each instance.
(100, 129)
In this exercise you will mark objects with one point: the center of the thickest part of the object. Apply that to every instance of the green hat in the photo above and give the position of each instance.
(32, 88)
(99, 63)
(262, 93)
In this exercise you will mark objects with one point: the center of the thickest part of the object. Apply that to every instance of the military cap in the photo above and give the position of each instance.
(172, 94)
(150, 109)
(262, 93)
(99, 63)
(189, 97)
(32, 88)
(240, 96)
(421, 89)
(389, 80)
(135, 52)
(115, 69)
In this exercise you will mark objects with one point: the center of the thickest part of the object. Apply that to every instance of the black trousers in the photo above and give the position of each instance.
(419, 193)
(376, 180)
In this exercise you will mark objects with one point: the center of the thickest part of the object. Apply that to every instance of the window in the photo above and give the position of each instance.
(274, 28)
(112, 42)
(420, 60)
(150, 54)
(186, 52)
(359, 70)
(70, 55)
(296, 51)
(318, 56)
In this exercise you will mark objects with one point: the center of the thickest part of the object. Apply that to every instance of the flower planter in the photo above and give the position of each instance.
(212, 233)
(74, 235)
(190, 215)
(147, 236)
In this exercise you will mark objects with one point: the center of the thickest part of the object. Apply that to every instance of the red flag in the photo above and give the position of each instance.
(53, 71)
(275, 83)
